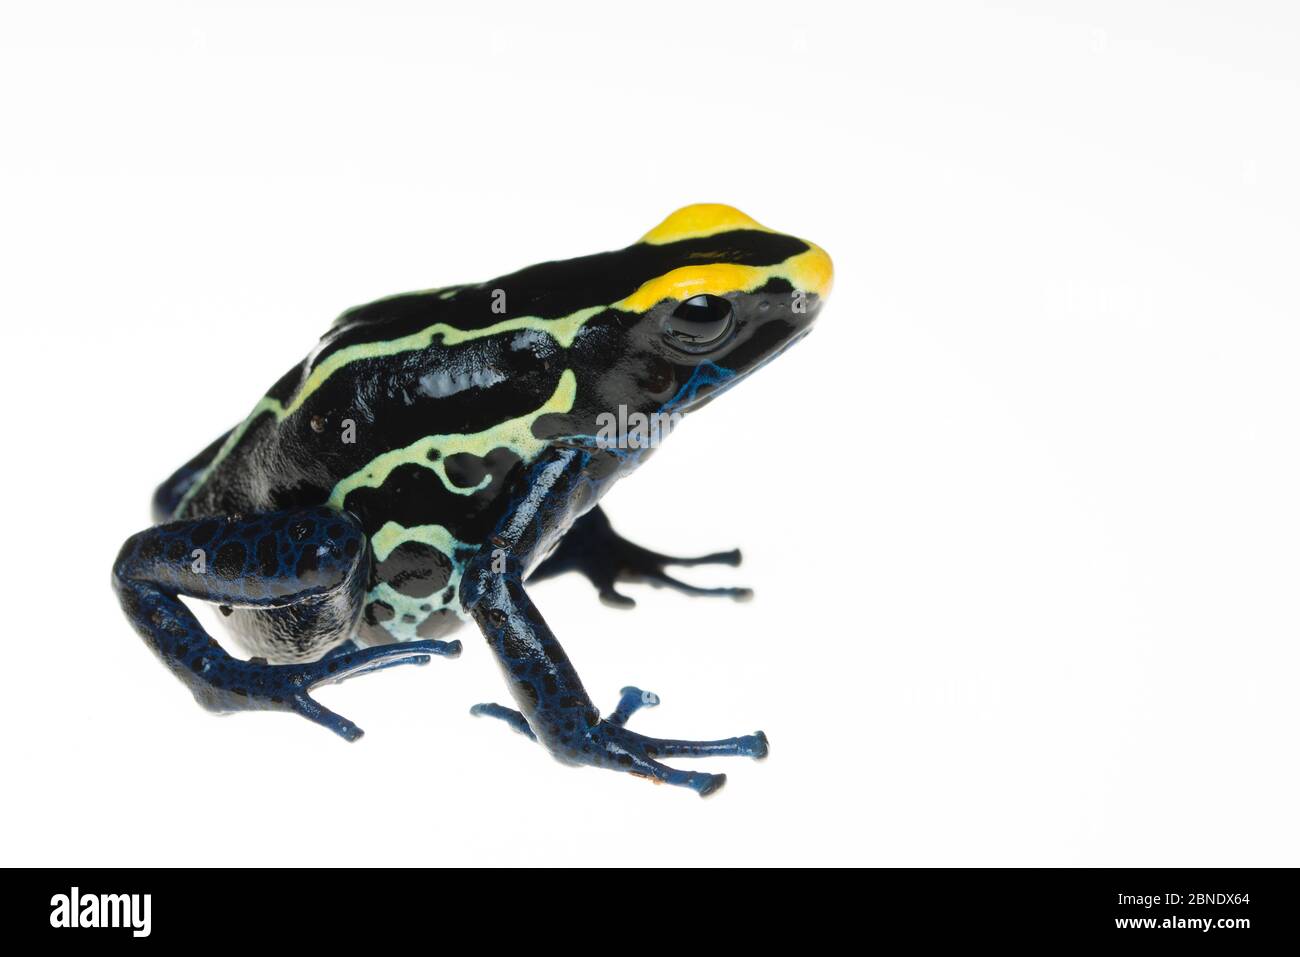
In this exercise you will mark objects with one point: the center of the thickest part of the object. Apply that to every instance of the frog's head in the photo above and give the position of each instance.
(713, 296)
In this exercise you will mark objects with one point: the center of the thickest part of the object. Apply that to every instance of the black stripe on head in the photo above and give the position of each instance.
(553, 290)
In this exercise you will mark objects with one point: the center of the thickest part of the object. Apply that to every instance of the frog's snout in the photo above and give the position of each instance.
(811, 275)
(812, 272)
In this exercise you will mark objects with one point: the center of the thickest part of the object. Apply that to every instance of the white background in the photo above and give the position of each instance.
(1022, 515)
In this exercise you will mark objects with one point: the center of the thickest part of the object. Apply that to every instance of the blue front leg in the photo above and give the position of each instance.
(553, 705)
(308, 567)
(605, 558)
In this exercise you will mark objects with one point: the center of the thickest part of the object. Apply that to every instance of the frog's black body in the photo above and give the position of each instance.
(434, 449)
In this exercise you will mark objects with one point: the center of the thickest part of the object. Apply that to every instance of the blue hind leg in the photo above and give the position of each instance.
(313, 559)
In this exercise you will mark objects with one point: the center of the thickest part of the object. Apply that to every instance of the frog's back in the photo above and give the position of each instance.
(411, 413)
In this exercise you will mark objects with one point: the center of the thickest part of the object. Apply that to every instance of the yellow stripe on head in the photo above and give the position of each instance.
(700, 219)
(809, 271)
(716, 279)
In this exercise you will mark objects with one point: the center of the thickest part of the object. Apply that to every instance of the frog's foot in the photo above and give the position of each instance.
(604, 557)
(610, 745)
(508, 715)
(272, 685)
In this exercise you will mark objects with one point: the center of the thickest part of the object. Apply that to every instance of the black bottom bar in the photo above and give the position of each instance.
(259, 908)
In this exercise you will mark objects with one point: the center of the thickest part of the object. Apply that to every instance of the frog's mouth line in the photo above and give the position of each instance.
(723, 384)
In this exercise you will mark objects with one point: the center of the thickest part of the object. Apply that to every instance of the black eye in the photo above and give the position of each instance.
(700, 321)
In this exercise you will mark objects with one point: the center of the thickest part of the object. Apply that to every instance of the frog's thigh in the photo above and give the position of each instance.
(312, 559)
(268, 561)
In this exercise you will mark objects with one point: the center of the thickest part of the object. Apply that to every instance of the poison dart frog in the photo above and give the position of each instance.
(439, 451)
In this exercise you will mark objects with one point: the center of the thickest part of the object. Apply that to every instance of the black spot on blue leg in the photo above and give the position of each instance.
(267, 555)
(229, 561)
(308, 562)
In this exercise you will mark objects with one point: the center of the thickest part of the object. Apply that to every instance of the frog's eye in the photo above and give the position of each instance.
(700, 321)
